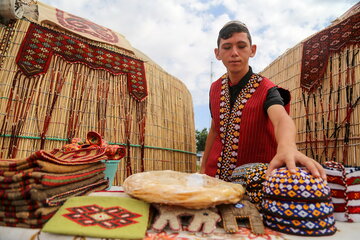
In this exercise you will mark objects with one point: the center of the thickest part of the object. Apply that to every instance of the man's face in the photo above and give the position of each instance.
(235, 52)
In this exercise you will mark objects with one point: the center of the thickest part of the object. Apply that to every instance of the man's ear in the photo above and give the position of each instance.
(253, 50)
(216, 51)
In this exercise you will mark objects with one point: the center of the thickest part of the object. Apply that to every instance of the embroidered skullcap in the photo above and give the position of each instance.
(297, 210)
(298, 204)
(236, 23)
(344, 183)
(317, 224)
(300, 186)
(231, 27)
(239, 173)
(256, 174)
(298, 231)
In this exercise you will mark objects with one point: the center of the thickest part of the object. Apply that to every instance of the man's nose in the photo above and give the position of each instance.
(234, 51)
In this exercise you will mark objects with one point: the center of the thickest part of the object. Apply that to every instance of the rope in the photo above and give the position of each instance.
(111, 143)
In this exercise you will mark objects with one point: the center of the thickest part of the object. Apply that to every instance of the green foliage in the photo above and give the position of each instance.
(201, 139)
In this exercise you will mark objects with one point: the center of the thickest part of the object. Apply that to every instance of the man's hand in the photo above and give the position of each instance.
(291, 157)
(287, 153)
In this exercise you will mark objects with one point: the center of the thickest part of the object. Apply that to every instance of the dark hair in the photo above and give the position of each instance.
(233, 27)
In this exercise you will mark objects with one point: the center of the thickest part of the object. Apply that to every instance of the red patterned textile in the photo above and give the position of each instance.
(92, 215)
(317, 49)
(41, 43)
(79, 24)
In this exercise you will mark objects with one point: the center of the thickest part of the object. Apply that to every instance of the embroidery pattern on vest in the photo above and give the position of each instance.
(230, 124)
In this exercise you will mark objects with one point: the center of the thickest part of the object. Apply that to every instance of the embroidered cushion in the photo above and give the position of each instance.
(300, 186)
(102, 217)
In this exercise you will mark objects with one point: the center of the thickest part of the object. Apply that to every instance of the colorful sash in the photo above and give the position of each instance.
(230, 120)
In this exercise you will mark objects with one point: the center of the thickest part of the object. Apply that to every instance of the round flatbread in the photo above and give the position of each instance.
(194, 190)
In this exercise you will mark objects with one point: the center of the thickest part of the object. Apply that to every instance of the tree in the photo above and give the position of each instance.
(201, 139)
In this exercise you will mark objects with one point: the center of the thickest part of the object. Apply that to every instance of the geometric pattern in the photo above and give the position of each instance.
(297, 210)
(82, 25)
(301, 186)
(304, 224)
(344, 184)
(256, 174)
(297, 231)
(239, 174)
(316, 50)
(230, 122)
(109, 218)
(40, 44)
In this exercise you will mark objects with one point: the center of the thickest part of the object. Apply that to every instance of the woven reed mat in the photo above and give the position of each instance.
(81, 26)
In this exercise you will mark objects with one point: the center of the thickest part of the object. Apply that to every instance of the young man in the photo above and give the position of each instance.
(250, 121)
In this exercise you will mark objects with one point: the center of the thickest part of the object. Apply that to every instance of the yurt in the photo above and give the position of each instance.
(323, 75)
(62, 76)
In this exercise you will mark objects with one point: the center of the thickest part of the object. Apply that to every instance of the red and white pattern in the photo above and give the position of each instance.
(109, 218)
(344, 183)
(317, 49)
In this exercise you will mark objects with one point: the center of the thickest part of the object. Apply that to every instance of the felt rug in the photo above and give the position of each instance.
(32, 62)
(316, 50)
(103, 217)
(81, 26)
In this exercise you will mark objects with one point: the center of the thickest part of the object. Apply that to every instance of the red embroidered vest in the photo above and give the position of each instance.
(257, 141)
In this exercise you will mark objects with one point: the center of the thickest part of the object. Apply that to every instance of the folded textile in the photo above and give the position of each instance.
(43, 194)
(50, 179)
(32, 205)
(38, 193)
(17, 164)
(55, 200)
(103, 217)
(60, 198)
(28, 214)
(34, 220)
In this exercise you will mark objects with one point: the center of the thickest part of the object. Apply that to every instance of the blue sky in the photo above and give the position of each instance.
(180, 35)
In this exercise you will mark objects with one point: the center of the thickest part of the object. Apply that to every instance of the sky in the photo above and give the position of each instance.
(180, 35)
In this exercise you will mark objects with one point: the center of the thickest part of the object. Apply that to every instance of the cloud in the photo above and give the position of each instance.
(180, 35)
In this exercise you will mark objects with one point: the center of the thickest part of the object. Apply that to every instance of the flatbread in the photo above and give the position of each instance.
(195, 191)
